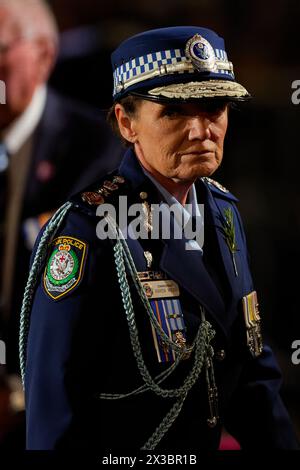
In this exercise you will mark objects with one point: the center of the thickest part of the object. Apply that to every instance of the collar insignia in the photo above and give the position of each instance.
(216, 184)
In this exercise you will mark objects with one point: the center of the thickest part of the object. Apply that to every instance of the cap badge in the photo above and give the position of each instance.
(201, 54)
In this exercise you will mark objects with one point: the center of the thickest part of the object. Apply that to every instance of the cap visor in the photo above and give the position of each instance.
(204, 89)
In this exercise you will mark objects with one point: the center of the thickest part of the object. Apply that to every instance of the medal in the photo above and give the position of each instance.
(252, 321)
(149, 258)
(147, 213)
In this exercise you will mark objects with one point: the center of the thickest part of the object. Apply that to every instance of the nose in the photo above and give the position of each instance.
(199, 128)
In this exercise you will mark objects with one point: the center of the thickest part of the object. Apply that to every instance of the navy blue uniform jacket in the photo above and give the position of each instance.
(79, 344)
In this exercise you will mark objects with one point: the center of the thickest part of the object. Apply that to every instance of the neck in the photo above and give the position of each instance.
(178, 189)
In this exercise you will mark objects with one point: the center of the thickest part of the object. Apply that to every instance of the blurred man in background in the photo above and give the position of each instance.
(49, 148)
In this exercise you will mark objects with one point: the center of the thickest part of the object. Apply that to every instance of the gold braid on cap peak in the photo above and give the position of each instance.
(203, 89)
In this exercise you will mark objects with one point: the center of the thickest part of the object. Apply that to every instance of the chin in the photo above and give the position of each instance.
(199, 171)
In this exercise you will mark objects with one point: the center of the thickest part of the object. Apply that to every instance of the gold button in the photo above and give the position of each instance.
(212, 422)
(143, 195)
(220, 355)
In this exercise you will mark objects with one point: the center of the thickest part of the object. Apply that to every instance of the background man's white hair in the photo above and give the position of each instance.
(34, 17)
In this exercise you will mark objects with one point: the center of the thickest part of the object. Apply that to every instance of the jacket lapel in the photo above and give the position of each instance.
(214, 216)
(214, 209)
(188, 270)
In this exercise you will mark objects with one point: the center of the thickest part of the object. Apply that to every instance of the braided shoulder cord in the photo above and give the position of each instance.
(144, 388)
(37, 264)
(201, 344)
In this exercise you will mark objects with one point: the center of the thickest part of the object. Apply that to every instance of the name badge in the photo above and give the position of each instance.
(161, 289)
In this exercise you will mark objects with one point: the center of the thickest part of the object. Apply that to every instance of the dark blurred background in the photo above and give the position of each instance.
(262, 155)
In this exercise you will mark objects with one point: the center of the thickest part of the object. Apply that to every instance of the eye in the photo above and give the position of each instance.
(214, 108)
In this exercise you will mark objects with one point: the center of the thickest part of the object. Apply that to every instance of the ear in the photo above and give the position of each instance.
(126, 124)
(46, 56)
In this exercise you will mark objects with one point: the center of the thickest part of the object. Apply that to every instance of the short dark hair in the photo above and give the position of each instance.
(130, 104)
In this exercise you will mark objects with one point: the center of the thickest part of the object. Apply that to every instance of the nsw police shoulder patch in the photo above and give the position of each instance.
(64, 269)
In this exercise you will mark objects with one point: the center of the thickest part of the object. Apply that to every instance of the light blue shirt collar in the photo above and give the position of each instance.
(191, 209)
(183, 213)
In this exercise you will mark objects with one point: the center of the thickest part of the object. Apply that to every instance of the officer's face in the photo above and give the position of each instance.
(179, 141)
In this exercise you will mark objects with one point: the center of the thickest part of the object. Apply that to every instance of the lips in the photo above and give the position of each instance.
(196, 152)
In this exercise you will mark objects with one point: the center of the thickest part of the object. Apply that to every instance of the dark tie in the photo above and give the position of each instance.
(3, 201)
(3, 173)
(3, 179)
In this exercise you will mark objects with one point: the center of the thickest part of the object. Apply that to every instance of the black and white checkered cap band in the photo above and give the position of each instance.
(150, 65)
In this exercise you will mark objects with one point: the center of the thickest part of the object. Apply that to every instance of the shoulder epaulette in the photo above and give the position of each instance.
(103, 193)
(98, 193)
(219, 188)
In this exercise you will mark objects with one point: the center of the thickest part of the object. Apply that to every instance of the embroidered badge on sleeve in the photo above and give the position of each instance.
(65, 265)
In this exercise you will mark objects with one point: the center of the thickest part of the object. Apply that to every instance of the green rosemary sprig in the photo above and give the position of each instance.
(229, 232)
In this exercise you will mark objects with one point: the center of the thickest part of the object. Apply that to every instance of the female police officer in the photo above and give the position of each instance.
(152, 342)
